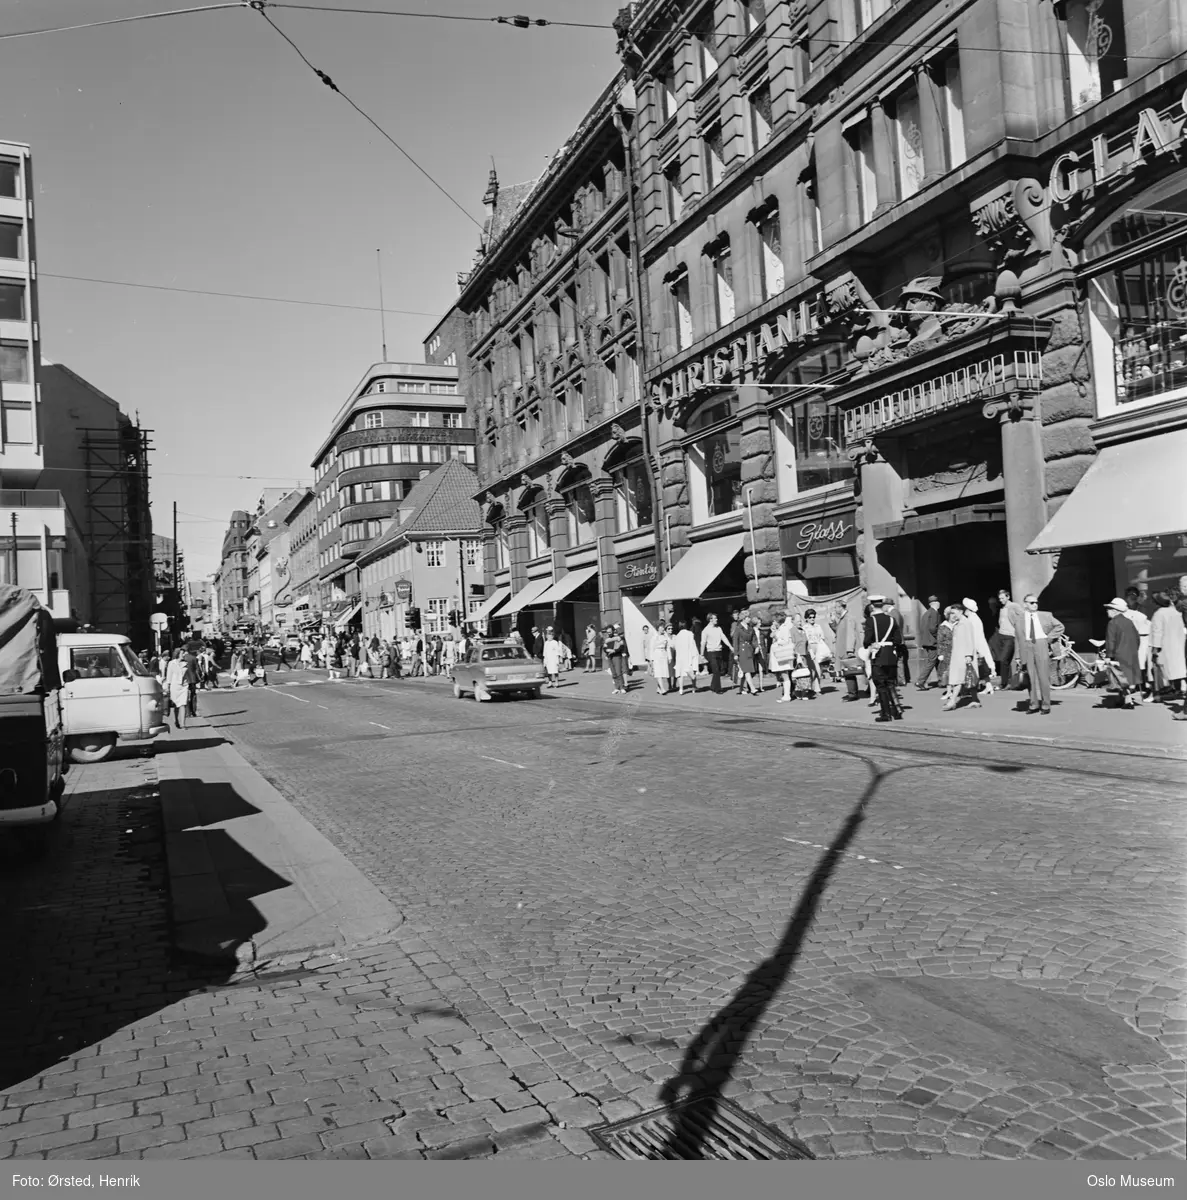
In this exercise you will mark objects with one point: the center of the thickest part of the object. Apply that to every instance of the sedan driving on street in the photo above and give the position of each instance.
(491, 668)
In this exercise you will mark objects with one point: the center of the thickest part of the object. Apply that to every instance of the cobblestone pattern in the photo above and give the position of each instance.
(571, 926)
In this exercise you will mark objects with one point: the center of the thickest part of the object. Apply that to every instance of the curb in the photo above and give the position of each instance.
(254, 887)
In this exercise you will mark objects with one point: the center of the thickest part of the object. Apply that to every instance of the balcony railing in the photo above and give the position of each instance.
(36, 498)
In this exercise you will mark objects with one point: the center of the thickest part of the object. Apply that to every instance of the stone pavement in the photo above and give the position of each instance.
(882, 952)
(1081, 718)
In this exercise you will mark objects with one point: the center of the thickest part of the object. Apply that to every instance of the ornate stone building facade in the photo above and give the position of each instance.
(909, 267)
(553, 367)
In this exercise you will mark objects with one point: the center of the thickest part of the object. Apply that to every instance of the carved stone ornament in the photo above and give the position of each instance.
(567, 460)
(617, 432)
(865, 454)
(1013, 221)
(526, 481)
(1013, 407)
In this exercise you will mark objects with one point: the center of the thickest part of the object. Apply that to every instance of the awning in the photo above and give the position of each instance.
(527, 595)
(344, 620)
(1132, 490)
(950, 518)
(567, 586)
(488, 606)
(693, 574)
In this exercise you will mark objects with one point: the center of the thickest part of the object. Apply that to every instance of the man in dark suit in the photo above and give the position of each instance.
(1033, 633)
(929, 626)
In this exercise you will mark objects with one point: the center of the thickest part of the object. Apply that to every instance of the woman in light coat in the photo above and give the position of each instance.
(969, 648)
(552, 658)
(687, 656)
(661, 658)
(783, 655)
(179, 681)
(1167, 636)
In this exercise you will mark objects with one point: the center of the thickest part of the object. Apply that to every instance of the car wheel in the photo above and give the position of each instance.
(533, 694)
(481, 694)
(457, 691)
(91, 747)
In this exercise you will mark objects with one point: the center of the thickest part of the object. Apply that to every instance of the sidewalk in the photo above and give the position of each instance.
(1078, 720)
(252, 883)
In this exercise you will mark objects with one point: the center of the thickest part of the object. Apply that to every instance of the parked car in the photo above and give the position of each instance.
(498, 668)
(31, 738)
(107, 694)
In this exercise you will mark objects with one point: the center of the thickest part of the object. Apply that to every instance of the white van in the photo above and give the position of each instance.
(107, 694)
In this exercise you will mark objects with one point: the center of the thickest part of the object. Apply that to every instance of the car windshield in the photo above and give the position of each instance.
(134, 664)
(503, 653)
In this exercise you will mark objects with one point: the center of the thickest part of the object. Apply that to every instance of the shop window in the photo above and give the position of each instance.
(12, 302)
(723, 282)
(860, 136)
(632, 492)
(681, 304)
(580, 513)
(822, 574)
(1138, 307)
(714, 143)
(1094, 42)
(714, 458)
(761, 121)
(807, 433)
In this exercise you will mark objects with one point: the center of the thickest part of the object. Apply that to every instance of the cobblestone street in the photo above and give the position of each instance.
(955, 948)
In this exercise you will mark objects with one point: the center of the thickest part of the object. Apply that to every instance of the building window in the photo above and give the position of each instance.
(420, 420)
(704, 34)
(12, 301)
(450, 359)
(673, 191)
(908, 143)
(1138, 308)
(951, 110)
(751, 14)
(10, 178)
(443, 389)
(723, 282)
(539, 531)
(759, 105)
(14, 362)
(580, 514)
(526, 344)
(18, 424)
(632, 492)
(860, 136)
(866, 12)
(1094, 42)
(373, 420)
(12, 239)
(714, 460)
(434, 554)
(602, 284)
(499, 530)
(434, 344)
(714, 156)
(665, 91)
(453, 420)
(678, 289)
(436, 614)
(473, 552)
(771, 246)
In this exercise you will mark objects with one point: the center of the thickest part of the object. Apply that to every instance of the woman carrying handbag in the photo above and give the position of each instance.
(783, 656)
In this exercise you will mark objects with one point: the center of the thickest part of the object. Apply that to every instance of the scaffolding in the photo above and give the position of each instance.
(119, 530)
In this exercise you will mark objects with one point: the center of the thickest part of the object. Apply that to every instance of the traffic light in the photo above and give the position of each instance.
(453, 617)
(412, 618)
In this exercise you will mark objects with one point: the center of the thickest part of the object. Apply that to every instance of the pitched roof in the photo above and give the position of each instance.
(442, 502)
(507, 204)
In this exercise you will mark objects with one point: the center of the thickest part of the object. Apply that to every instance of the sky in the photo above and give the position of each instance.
(197, 151)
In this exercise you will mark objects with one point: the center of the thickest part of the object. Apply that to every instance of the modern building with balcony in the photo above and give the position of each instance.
(400, 421)
(909, 267)
(554, 384)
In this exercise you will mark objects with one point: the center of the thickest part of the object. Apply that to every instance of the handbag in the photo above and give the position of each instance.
(801, 673)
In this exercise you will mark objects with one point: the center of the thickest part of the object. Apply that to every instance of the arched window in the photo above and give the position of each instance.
(496, 519)
(713, 457)
(579, 507)
(627, 467)
(539, 532)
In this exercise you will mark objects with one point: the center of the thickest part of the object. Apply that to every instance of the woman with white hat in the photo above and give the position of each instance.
(1122, 643)
(969, 651)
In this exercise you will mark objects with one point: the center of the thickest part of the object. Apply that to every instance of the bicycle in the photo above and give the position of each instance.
(1068, 668)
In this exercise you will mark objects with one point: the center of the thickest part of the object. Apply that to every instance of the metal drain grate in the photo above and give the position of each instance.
(697, 1129)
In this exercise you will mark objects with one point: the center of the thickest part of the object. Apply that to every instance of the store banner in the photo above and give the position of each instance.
(819, 535)
(638, 571)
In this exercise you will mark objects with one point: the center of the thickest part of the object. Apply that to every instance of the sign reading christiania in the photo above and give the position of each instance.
(740, 357)
(819, 534)
(1153, 134)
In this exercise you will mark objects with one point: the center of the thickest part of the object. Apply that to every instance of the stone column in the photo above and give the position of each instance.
(934, 153)
(764, 564)
(605, 526)
(881, 503)
(516, 526)
(675, 510)
(883, 131)
(1023, 477)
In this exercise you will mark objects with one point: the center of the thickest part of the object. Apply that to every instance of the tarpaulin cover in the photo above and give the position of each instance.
(28, 648)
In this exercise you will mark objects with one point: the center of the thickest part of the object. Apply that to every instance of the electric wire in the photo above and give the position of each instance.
(258, 6)
(161, 287)
(152, 16)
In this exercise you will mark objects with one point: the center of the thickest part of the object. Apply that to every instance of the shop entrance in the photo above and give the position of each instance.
(952, 563)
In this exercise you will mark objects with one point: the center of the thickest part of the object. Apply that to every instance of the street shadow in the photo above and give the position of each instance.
(712, 1056)
(168, 746)
(87, 936)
